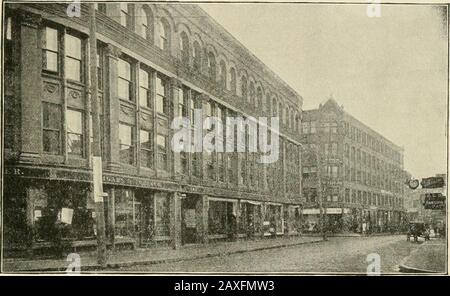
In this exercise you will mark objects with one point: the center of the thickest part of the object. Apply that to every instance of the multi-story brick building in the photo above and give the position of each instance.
(361, 172)
(155, 62)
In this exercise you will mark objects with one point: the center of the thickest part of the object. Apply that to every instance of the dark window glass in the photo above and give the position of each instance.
(51, 123)
(146, 148)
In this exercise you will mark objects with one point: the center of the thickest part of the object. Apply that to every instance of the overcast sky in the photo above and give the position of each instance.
(389, 72)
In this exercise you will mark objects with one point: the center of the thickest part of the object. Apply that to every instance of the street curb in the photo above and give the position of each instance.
(409, 269)
(96, 267)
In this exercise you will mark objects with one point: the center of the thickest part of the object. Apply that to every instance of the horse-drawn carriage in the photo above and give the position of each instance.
(417, 229)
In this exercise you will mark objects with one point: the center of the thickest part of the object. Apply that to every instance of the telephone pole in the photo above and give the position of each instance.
(96, 147)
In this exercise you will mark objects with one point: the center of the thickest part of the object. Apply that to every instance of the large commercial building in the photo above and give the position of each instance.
(361, 173)
(154, 62)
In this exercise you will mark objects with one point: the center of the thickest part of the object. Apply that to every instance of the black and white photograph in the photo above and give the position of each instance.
(224, 138)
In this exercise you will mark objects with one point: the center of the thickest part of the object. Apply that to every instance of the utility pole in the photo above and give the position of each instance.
(96, 148)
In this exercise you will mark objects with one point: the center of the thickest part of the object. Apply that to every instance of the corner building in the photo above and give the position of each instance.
(361, 174)
(155, 62)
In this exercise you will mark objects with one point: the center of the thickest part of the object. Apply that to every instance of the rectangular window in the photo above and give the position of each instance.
(124, 80)
(75, 143)
(144, 86)
(50, 49)
(73, 48)
(306, 127)
(313, 127)
(99, 69)
(161, 100)
(161, 142)
(146, 148)
(126, 144)
(51, 128)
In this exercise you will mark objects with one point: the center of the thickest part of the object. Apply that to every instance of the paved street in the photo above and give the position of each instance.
(336, 255)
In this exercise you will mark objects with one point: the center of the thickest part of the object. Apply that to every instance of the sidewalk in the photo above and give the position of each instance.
(429, 257)
(156, 255)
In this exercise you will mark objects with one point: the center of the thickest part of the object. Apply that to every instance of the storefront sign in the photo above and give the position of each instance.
(434, 201)
(433, 182)
(66, 215)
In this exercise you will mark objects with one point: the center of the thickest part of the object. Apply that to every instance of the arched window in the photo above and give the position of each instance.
(274, 107)
(233, 80)
(259, 97)
(268, 104)
(252, 93)
(212, 66)
(197, 55)
(244, 87)
(223, 74)
(184, 47)
(287, 116)
(280, 112)
(164, 37)
(144, 21)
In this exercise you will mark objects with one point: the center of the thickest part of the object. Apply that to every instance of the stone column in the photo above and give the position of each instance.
(175, 220)
(112, 108)
(30, 83)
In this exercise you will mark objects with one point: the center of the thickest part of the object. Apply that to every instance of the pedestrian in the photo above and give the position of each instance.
(232, 228)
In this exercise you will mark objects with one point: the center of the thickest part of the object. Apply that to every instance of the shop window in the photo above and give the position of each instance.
(144, 89)
(125, 83)
(127, 211)
(75, 139)
(50, 49)
(51, 135)
(73, 52)
(126, 144)
(161, 99)
(274, 217)
(161, 141)
(146, 148)
(162, 215)
(219, 217)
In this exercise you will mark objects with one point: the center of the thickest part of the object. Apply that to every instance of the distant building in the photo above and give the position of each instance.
(414, 205)
(361, 173)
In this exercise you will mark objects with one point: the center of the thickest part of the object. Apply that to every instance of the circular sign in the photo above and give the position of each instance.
(413, 183)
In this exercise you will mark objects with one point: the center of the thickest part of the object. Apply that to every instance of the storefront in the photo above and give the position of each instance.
(293, 219)
(250, 219)
(222, 223)
(273, 219)
(191, 218)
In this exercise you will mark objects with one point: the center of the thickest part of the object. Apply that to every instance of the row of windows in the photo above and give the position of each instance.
(366, 159)
(378, 181)
(354, 197)
(205, 61)
(365, 139)
(312, 127)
